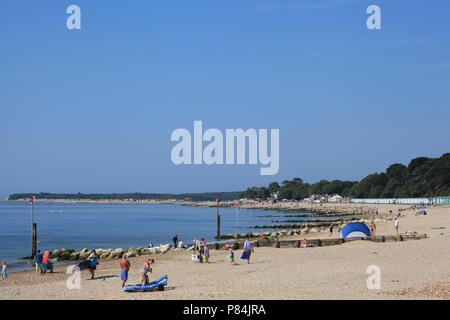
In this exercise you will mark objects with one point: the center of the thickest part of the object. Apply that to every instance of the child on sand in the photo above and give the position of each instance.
(4, 270)
(231, 255)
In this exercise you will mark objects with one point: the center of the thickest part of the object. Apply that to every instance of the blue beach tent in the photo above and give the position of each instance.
(355, 230)
(422, 212)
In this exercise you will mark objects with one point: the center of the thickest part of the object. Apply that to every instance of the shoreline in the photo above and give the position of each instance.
(290, 206)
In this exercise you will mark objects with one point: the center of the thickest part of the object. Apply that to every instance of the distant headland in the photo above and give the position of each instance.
(422, 177)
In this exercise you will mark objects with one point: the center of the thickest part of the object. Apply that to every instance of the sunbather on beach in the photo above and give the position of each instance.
(124, 267)
(146, 268)
(372, 229)
(304, 243)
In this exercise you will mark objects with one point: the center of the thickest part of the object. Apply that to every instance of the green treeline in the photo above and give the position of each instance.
(128, 196)
(423, 177)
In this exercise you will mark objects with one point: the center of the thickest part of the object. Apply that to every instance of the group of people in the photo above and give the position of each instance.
(42, 262)
(177, 242)
(125, 266)
(201, 251)
(246, 254)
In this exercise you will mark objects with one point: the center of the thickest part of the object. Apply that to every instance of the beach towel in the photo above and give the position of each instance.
(248, 246)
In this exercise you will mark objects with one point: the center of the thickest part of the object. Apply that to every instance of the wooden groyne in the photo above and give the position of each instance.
(280, 243)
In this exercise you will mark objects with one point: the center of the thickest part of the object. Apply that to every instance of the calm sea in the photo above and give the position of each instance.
(78, 226)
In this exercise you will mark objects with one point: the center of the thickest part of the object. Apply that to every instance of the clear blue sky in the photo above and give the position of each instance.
(92, 110)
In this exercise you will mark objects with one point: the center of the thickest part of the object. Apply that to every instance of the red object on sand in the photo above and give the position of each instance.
(46, 257)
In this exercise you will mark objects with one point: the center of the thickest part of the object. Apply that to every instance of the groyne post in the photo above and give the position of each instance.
(33, 239)
(218, 219)
(33, 228)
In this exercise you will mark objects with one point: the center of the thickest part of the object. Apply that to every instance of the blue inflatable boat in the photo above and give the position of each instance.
(159, 283)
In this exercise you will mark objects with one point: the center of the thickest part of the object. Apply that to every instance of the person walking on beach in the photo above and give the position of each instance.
(205, 254)
(38, 257)
(175, 241)
(397, 224)
(331, 229)
(124, 267)
(93, 260)
(4, 270)
(248, 250)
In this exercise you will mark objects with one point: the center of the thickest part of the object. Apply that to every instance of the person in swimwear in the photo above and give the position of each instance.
(146, 268)
(124, 268)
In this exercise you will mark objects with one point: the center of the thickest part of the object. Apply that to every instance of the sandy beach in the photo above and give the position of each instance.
(415, 269)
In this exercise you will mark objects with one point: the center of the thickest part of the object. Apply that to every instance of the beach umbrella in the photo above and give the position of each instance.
(355, 230)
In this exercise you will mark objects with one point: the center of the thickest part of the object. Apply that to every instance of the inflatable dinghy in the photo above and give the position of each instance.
(159, 283)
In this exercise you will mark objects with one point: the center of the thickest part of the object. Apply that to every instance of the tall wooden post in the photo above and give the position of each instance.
(218, 219)
(34, 240)
(33, 229)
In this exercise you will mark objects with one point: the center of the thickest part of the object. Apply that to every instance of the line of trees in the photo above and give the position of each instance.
(423, 177)
(136, 196)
